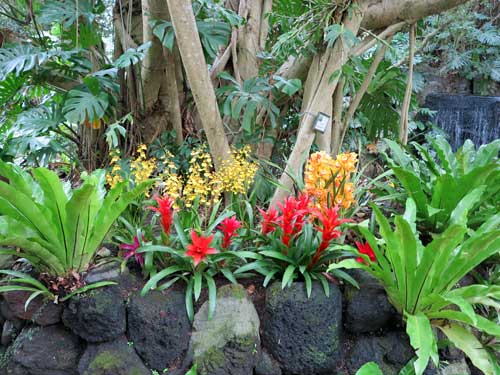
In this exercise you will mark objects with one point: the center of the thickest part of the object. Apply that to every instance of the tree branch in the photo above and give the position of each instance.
(189, 44)
(372, 39)
(382, 13)
(403, 124)
(353, 106)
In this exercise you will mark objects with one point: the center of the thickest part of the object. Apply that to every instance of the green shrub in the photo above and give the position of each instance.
(439, 180)
(420, 281)
(56, 228)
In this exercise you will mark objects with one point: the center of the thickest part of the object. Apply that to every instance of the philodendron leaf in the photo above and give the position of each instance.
(422, 340)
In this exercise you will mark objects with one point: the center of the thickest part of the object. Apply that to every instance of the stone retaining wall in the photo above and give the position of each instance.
(115, 331)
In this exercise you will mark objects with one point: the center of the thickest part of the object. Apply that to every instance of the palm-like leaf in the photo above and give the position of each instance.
(24, 57)
(64, 12)
(57, 230)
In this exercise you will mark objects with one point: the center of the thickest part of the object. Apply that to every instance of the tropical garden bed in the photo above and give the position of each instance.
(246, 187)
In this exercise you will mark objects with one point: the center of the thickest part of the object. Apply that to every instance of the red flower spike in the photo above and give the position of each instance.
(132, 251)
(365, 249)
(328, 222)
(228, 226)
(165, 208)
(293, 213)
(269, 220)
(199, 247)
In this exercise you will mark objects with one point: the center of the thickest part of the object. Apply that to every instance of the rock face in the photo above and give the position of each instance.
(459, 367)
(266, 365)
(39, 311)
(391, 352)
(10, 330)
(97, 316)
(368, 308)
(228, 343)
(49, 350)
(112, 358)
(111, 271)
(303, 334)
(159, 328)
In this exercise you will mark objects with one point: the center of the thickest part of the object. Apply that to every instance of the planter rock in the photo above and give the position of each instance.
(267, 365)
(303, 334)
(391, 352)
(39, 311)
(97, 316)
(228, 343)
(111, 271)
(112, 358)
(459, 367)
(49, 350)
(159, 328)
(10, 330)
(367, 308)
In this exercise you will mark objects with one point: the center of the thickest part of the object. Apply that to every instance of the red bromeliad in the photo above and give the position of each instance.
(328, 222)
(166, 210)
(365, 249)
(132, 251)
(269, 220)
(293, 213)
(199, 247)
(228, 226)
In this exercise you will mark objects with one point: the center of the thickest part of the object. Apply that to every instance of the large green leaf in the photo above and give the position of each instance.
(213, 34)
(55, 201)
(132, 56)
(422, 340)
(470, 345)
(78, 225)
(113, 205)
(24, 57)
(445, 154)
(22, 208)
(413, 186)
(21, 180)
(83, 106)
(370, 368)
(408, 243)
(66, 12)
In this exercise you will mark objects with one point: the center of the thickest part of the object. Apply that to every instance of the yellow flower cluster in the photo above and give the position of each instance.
(327, 180)
(141, 167)
(170, 181)
(114, 177)
(237, 173)
(200, 181)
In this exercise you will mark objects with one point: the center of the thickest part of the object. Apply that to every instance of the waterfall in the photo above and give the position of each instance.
(464, 117)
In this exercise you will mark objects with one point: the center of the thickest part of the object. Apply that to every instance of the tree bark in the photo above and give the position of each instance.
(153, 65)
(380, 14)
(252, 36)
(383, 13)
(358, 96)
(198, 77)
(405, 108)
(320, 86)
(338, 104)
